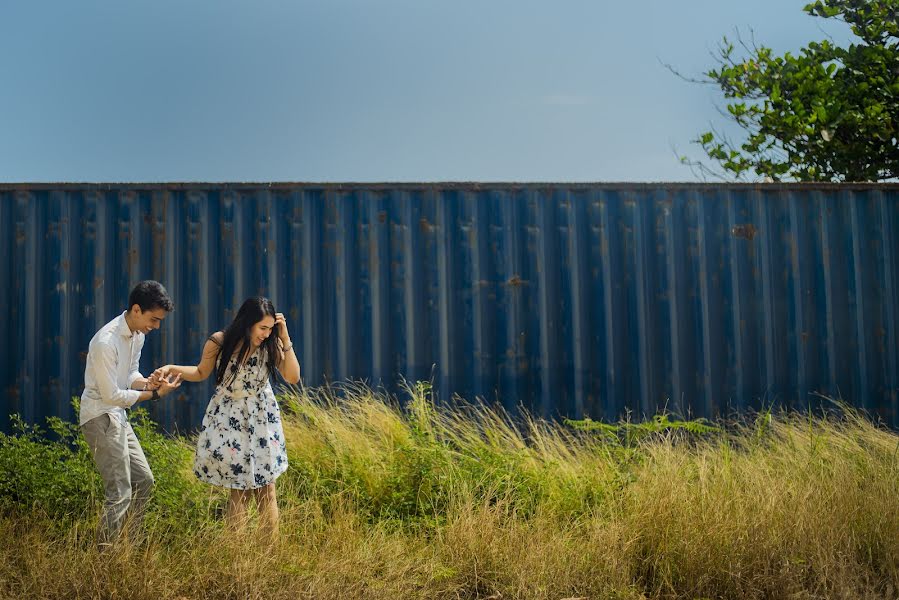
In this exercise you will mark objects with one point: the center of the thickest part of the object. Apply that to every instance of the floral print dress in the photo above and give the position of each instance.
(241, 442)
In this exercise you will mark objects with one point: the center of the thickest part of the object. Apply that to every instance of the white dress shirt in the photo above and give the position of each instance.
(112, 366)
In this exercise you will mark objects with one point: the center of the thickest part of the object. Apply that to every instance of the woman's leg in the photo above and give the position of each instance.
(267, 503)
(236, 515)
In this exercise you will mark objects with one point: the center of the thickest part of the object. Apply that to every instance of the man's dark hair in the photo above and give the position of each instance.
(149, 295)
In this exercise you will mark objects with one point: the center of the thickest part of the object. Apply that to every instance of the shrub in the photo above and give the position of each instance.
(51, 471)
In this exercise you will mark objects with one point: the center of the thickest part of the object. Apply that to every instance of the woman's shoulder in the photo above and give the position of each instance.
(217, 337)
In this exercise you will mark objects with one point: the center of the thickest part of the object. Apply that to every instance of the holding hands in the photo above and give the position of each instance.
(163, 382)
(169, 377)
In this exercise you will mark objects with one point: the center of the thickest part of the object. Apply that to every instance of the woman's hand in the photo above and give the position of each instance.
(154, 381)
(168, 384)
(281, 324)
(155, 378)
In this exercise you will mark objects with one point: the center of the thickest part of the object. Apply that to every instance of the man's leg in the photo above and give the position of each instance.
(108, 441)
(141, 479)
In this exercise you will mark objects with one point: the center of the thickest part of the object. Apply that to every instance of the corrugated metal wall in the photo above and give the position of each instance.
(572, 300)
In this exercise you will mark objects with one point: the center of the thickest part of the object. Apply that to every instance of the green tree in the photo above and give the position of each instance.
(826, 114)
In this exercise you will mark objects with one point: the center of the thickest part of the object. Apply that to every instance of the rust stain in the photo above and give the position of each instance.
(382, 216)
(516, 281)
(746, 231)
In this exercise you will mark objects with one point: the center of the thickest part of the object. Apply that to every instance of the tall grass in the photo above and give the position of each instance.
(383, 501)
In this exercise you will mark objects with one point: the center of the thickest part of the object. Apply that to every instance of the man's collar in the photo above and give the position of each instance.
(123, 328)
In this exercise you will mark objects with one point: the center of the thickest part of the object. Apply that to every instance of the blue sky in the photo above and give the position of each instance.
(365, 90)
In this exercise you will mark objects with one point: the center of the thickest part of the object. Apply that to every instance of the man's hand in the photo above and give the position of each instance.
(168, 383)
(155, 379)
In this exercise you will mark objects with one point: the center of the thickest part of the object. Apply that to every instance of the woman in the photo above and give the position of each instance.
(241, 442)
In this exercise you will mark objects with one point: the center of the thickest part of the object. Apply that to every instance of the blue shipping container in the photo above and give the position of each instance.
(569, 299)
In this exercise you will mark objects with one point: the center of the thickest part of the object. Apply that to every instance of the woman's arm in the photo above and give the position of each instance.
(207, 362)
(288, 365)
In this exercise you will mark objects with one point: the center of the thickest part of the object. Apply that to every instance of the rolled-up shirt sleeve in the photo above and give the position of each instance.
(105, 374)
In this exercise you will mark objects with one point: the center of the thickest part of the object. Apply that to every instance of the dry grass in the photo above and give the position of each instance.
(465, 503)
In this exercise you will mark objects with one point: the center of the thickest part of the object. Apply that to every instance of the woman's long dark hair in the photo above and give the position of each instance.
(238, 335)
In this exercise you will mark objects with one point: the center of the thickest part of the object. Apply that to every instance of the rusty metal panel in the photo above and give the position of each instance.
(568, 299)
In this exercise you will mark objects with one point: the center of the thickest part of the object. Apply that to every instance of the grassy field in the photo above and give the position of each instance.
(418, 502)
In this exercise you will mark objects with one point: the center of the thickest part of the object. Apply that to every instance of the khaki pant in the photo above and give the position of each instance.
(127, 478)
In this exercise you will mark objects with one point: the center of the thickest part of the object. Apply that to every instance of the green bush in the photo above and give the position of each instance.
(51, 474)
(51, 471)
(417, 463)
(179, 500)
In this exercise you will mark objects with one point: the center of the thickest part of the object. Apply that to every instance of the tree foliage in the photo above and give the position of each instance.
(828, 113)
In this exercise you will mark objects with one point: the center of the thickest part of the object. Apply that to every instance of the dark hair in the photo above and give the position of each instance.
(150, 294)
(237, 334)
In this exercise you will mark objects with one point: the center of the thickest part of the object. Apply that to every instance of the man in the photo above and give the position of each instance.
(112, 383)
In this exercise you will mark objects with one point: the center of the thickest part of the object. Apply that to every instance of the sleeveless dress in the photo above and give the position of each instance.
(241, 441)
